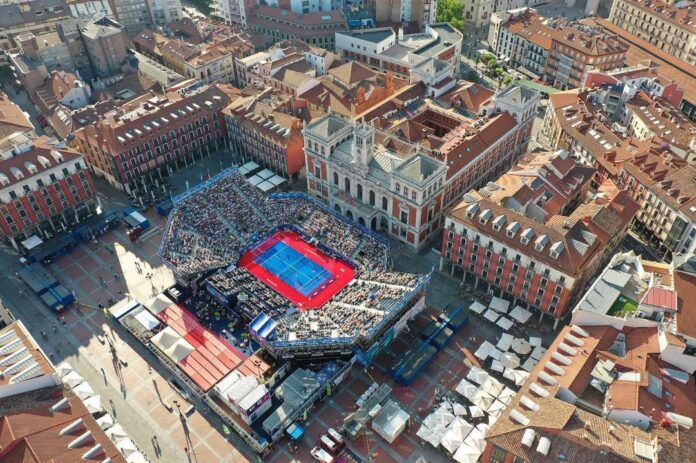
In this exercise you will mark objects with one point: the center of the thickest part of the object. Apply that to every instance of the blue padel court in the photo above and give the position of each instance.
(294, 269)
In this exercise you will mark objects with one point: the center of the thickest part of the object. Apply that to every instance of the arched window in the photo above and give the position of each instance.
(336, 178)
(384, 203)
(346, 185)
(372, 198)
(360, 196)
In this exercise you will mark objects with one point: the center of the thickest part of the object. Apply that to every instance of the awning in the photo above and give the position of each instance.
(32, 242)
(477, 307)
(520, 314)
(499, 305)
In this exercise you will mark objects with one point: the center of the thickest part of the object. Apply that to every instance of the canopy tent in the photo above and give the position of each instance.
(429, 436)
(439, 418)
(106, 421)
(265, 186)
(255, 180)
(496, 408)
(83, 391)
(477, 375)
(94, 404)
(459, 409)
(158, 303)
(266, 174)
(72, 379)
(147, 320)
(455, 434)
(538, 352)
(499, 305)
(521, 346)
(534, 341)
(63, 369)
(390, 421)
(136, 457)
(505, 323)
(510, 360)
(116, 433)
(497, 366)
(505, 342)
(529, 364)
(483, 400)
(476, 412)
(520, 314)
(492, 386)
(491, 315)
(466, 389)
(32, 242)
(126, 447)
(495, 353)
(276, 180)
(477, 307)
(476, 437)
(295, 431)
(484, 350)
(467, 454)
(248, 167)
(506, 395)
(517, 376)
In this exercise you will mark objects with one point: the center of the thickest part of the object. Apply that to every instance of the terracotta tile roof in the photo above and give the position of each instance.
(641, 51)
(591, 44)
(685, 286)
(15, 340)
(320, 23)
(662, 119)
(681, 17)
(660, 297)
(352, 72)
(149, 41)
(12, 118)
(469, 96)
(20, 165)
(30, 431)
(532, 27)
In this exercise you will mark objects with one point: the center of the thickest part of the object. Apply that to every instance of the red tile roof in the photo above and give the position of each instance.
(685, 286)
(660, 297)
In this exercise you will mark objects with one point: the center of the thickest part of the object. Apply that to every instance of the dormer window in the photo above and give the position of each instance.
(498, 222)
(17, 173)
(471, 210)
(541, 242)
(512, 229)
(485, 216)
(526, 236)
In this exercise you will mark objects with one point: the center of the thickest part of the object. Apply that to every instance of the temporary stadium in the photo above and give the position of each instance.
(308, 282)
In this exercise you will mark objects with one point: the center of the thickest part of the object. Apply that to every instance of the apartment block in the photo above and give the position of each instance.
(667, 24)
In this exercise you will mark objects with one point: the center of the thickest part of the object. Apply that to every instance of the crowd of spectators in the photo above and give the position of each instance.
(211, 228)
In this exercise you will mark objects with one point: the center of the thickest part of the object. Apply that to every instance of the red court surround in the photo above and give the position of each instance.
(342, 272)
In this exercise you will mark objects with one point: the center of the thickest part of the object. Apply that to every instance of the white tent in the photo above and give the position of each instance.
(476, 438)
(466, 389)
(534, 341)
(506, 395)
(510, 360)
(483, 350)
(83, 391)
(265, 186)
(538, 352)
(266, 174)
(255, 180)
(147, 320)
(494, 353)
(390, 421)
(32, 242)
(459, 409)
(505, 323)
(476, 412)
(496, 408)
(116, 433)
(491, 315)
(529, 364)
(72, 379)
(499, 305)
(136, 457)
(518, 376)
(505, 342)
(520, 314)
(248, 167)
(276, 180)
(483, 400)
(440, 418)
(63, 369)
(158, 303)
(466, 454)
(94, 404)
(126, 447)
(477, 375)
(429, 436)
(521, 346)
(106, 421)
(477, 307)
(455, 434)
(497, 366)
(492, 387)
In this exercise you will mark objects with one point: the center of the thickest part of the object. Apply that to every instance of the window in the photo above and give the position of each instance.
(317, 171)
(497, 455)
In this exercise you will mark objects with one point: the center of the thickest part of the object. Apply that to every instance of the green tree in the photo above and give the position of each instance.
(451, 11)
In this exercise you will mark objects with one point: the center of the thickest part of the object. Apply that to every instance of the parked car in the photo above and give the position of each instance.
(322, 455)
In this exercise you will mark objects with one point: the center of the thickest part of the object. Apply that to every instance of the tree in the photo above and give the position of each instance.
(451, 11)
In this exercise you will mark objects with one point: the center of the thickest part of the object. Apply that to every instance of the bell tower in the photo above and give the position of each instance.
(363, 143)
